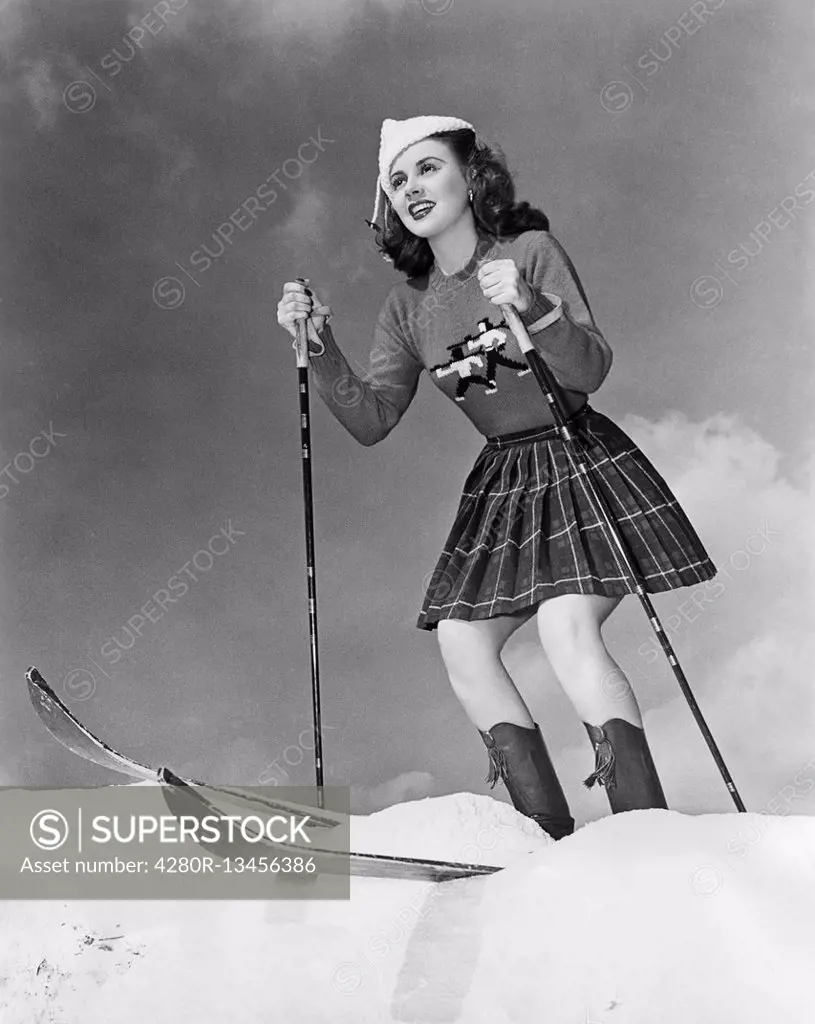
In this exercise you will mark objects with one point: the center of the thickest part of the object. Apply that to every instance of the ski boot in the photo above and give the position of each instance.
(518, 755)
(624, 766)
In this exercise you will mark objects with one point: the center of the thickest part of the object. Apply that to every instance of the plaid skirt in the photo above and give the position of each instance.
(527, 530)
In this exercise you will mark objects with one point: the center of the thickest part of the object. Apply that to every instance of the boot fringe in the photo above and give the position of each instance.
(604, 773)
(498, 766)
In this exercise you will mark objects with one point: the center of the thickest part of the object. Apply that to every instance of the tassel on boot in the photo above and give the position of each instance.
(519, 757)
(624, 766)
(498, 763)
(604, 760)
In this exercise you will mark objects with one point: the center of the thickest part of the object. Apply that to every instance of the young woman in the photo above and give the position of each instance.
(526, 540)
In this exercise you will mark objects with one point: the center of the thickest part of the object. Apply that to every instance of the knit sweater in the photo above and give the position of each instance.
(443, 324)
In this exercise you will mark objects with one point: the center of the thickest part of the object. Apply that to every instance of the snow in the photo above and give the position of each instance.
(636, 918)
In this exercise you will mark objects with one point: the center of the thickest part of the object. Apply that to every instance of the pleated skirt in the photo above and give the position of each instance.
(528, 527)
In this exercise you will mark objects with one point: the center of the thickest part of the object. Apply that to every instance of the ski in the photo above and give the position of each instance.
(65, 727)
(184, 801)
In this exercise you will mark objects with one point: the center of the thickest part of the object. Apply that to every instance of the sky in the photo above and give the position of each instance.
(149, 415)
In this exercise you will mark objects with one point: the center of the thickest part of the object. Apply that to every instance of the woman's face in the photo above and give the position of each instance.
(429, 188)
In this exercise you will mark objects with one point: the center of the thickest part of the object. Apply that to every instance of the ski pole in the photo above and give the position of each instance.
(574, 447)
(300, 346)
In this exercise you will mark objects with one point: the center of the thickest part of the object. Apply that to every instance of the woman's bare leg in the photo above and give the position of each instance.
(570, 627)
(472, 656)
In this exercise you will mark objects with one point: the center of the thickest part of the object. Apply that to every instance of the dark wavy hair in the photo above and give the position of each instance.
(495, 210)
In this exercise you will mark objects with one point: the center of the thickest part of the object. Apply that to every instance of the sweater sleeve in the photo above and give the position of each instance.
(559, 321)
(370, 403)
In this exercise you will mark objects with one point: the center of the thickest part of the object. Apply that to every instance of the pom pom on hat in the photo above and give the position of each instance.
(396, 136)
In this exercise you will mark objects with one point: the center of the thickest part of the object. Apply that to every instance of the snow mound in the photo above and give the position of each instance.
(636, 918)
(463, 827)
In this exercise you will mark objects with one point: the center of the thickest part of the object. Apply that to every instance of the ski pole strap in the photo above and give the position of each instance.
(300, 344)
(315, 340)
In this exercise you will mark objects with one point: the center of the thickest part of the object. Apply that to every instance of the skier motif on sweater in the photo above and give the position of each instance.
(490, 341)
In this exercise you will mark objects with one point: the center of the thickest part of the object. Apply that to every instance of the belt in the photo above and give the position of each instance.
(543, 433)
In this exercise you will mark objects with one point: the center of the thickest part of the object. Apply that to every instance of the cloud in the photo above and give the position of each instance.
(40, 90)
(326, 16)
(712, 463)
(760, 707)
(306, 227)
(750, 649)
(321, 22)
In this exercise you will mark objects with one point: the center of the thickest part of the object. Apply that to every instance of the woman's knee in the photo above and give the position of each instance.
(570, 625)
(464, 644)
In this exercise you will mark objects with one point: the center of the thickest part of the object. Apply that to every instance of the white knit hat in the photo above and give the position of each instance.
(396, 136)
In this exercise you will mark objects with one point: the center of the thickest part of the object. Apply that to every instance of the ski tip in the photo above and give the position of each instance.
(35, 680)
(38, 685)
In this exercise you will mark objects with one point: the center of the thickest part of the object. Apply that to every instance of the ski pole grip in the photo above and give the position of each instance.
(517, 326)
(300, 343)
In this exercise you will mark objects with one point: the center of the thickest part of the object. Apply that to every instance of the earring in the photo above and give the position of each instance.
(470, 194)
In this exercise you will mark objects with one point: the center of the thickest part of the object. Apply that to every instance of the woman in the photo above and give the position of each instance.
(525, 541)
